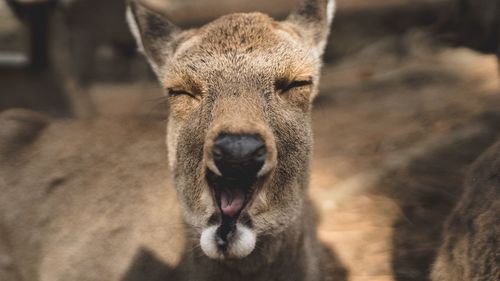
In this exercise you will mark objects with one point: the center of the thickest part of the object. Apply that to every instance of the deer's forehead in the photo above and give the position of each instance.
(257, 66)
(245, 52)
(239, 31)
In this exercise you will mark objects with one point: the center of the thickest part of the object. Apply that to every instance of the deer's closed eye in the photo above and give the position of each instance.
(179, 92)
(284, 86)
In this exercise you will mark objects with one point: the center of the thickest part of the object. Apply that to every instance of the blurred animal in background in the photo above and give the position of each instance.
(470, 250)
(65, 38)
(35, 15)
(28, 80)
(87, 199)
(81, 29)
(471, 247)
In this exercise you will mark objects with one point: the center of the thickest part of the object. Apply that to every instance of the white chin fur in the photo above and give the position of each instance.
(242, 244)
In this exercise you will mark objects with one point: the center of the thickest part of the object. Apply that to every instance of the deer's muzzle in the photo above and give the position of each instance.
(237, 164)
(238, 158)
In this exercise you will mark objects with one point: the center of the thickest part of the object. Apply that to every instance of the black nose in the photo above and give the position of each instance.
(239, 156)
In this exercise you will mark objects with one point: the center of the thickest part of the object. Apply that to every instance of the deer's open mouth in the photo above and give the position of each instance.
(232, 196)
(231, 201)
(233, 174)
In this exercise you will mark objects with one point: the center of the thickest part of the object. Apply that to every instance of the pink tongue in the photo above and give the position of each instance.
(231, 203)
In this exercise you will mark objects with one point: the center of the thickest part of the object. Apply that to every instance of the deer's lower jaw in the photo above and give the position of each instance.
(239, 243)
(230, 238)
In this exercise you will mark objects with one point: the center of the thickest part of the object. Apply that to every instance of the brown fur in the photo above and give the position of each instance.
(82, 199)
(471, 246)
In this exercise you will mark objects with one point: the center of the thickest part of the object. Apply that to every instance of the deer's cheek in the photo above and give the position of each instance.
(181, 107)
(298, 99)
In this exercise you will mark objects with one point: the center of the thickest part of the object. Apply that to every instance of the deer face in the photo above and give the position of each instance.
(239, 132)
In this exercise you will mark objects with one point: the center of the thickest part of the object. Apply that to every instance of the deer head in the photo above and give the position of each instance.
(239, 137)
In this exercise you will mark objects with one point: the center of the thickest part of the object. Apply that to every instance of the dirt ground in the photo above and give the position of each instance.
(396, 126)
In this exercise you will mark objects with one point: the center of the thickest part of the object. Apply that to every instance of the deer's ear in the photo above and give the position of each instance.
(314, 18)
(154, 34)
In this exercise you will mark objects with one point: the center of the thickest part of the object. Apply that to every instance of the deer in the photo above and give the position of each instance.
(225, 199)
(469, 249)
(471, 234)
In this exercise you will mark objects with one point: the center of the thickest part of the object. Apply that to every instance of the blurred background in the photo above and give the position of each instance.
(409, 98)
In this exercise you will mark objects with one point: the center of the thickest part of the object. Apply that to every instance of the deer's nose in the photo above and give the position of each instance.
(239, 155)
